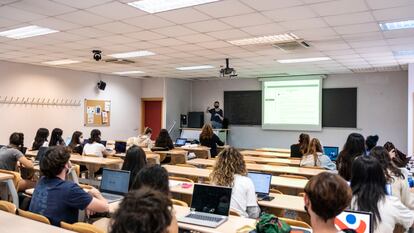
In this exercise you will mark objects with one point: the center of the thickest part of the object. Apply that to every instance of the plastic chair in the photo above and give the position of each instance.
(275, 191)
(296, 223)
(81, 227)
(33, 216)
(179, 203)
(293, 176)
(8, 207)
(183, 179)
(16, 177)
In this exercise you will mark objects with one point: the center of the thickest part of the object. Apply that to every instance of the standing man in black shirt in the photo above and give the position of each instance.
(216, 115)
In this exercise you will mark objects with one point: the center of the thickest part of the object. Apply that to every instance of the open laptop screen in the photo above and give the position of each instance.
(261, 181)
(115, 181)
(180, 141)
(211, 199)
(331, 152)
(120, 147)
(361, 222)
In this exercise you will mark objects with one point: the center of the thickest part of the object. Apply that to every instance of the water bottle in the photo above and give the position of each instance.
(410, 180)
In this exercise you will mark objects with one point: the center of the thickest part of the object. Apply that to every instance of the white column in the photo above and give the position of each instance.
(410, 136)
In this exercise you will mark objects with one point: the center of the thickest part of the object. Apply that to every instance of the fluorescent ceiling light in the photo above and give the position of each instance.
(155, 6)
(266, 39)
(195, 67)
(403, 53)
(132, 54)
(311, 59)
(129, 72)
(25, 32)
(397, 25)
(61, 62)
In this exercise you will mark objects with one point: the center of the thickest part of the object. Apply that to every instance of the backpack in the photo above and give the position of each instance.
(269, 223)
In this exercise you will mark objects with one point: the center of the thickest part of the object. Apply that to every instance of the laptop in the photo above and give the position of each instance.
(103, 142)
(40, 154)
(210, 206)
(262, 182)
(331, 151)
(120, 147)
(361, 222)
(114, 184)
(180, 142)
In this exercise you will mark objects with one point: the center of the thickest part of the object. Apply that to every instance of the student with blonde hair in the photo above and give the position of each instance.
(230, 171)
(210, 139)
(316, 158)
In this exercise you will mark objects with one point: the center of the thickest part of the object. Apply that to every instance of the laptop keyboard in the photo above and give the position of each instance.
(204, 218)
(110, 197)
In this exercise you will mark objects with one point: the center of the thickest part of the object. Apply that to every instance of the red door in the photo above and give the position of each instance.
(152, 116)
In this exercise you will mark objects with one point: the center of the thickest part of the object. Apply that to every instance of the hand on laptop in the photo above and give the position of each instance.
(95, 193)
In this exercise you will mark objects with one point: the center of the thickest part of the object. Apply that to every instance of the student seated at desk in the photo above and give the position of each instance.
(143, 140)
(145, 211)
(94, 146)
(354, 147)
(371, 142)
(398, 158)
(58, 199)
(164, 140)
(368, 184)
(210, 139)
(76, 143)
(41, 139)
(56, 138)
(10, 155)
(301, 148)
(135, 160)
(230, 171)
(316, 158)
(326, 196)
(154, 177)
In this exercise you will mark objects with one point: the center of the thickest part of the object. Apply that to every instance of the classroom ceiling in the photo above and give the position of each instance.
(347, 31)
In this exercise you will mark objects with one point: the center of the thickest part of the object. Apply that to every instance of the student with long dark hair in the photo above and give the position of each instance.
(371, 142)
(154, 177)
(94, 146)
(210, 139)
(41, 139)
(316, 158)
(368, 185)
(76, 142)
(394, 176)
(301, 148)
(135, 161)
(56, 138)
(354, 147)
(164, 140)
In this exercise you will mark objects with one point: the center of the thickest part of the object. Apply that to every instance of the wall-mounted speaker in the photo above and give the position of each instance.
(101, 85)
(183, 120)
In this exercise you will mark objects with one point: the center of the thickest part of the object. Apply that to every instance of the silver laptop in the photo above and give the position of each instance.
(262, 182)
(210, 206)
(114, 184)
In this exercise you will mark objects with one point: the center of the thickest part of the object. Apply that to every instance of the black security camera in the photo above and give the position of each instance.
(97, 55)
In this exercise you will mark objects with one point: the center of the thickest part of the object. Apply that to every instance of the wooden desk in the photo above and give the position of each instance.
(205, 173)
(269, 149)
(263, 167)
(230, 226)
(152, 158)
(199, 151)
(8, 179)
(258, 159)
(265, 154)
(14, 223)
(31, 153)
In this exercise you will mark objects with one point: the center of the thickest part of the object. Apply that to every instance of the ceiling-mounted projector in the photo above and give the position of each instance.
(228, 71)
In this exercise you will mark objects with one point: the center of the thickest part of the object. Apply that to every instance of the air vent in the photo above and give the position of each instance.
(292, 46)
(119, 61)
(377, 69)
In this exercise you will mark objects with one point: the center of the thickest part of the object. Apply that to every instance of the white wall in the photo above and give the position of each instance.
(178, 101)
(410, 112)
(382, 110)
(22, 80)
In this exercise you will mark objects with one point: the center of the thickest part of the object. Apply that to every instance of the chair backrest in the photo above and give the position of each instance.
(293, 176)
(234, 213)
(33, 216)
(296, 223)
(276, 191)
(76, 168)
(16, 177)
(185, 165)
(179, 203)
(8, 207)
(81, 227)
(183, 179)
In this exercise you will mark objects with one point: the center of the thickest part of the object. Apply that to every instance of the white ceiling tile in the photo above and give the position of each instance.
(224, 8)
(116, 10)
(185, 15)
(346, 19)
(304, 24)
(339, 7)
(7, 22)
(365, 44)
(195, 38)
(89, 32)
(168, 42)
(397, 13)
(294, 13)
(145, 35)
(117, 27)
(82, 4)
(383, 4)
(264, 5)
(19, 15)
(398, 33)
(174, 31)
(208, 26)
(56, 24)
(118, 38)
(83, 18)
(265, 29)
(43, 7)
(316, 34)
(214, 44)
(229, 34)
(357, 28)
(246, 20)
(148, 22)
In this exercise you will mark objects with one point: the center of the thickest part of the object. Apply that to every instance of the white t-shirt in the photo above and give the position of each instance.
(94, 149)
(243, 195)
(392, 212)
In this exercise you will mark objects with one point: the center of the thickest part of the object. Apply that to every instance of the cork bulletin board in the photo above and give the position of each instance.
(97, 112)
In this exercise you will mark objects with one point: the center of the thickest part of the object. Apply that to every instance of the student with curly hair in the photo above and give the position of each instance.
(230, 171)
